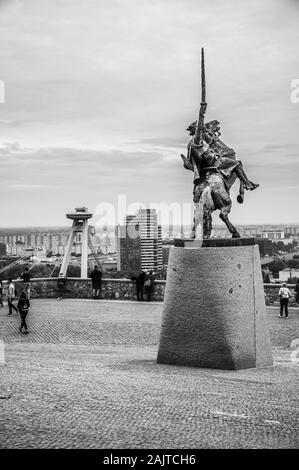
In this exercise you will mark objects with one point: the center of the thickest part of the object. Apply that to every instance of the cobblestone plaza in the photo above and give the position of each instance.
(86, 377)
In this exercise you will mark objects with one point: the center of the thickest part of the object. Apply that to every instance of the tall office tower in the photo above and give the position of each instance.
(139, 243)
(151, 240)
(128, 247)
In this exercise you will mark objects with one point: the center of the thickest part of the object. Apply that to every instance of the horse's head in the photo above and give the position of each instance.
(192, 128)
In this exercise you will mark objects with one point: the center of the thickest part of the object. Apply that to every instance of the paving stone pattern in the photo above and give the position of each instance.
(86, 377)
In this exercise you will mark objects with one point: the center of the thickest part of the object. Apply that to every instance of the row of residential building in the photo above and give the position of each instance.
(49, 241)
(137, 243)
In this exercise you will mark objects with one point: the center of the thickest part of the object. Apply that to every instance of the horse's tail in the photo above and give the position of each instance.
(240, 197)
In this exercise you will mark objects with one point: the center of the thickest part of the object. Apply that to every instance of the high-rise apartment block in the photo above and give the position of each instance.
(128, 251)
(139, 243)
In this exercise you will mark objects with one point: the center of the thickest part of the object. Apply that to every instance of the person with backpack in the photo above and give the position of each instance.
(284, 295)
(23, 307)
(11, 293)
(61, 286)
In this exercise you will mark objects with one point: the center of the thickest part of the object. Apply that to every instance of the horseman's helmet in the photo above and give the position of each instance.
(212, 126)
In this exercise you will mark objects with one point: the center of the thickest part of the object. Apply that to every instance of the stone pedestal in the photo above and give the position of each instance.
(214, 309)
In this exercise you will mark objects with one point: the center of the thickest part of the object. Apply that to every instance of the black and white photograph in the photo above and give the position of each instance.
(149, 230)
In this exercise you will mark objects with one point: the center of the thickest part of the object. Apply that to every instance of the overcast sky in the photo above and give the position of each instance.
(99, 94)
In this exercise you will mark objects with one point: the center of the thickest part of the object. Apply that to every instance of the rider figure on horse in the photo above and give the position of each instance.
(211, 154)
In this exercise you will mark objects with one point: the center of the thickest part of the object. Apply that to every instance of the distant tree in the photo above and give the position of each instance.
(289, 247)
(277, 265)
(73, 271)
(14, 272)
(41, 270)
(280, 246)
(293, 263)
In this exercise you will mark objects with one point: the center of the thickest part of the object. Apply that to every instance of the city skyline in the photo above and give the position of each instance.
(88, 117)
(54, 228)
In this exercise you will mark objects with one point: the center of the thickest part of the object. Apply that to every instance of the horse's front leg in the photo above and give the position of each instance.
(224, 216)
(207, 223)
(197, 232)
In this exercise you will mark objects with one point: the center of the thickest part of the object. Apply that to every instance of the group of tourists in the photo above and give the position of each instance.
(145, 282)
(96, 283)
(23, 298)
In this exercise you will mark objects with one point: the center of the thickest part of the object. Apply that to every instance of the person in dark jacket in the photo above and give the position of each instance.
(23, 307)
(96, 279)
(296, 291)
(26, 276)
(139, 282)
(61, 286)
(149, 285)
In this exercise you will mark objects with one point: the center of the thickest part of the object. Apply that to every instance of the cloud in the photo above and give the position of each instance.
(99, 94)
(28, 187)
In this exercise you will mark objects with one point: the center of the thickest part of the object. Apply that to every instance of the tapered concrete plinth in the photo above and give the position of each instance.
(214, 309)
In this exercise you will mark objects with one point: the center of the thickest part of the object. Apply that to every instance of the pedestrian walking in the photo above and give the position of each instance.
(26, 276)
(11, 296)
(284, 295)
(149, 285)
(96, 279)
(23, 307)
(1, 293)
(139, 282)
(296, 291)
(61, 286)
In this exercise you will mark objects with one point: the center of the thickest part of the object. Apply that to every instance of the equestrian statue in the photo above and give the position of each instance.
(215, 170)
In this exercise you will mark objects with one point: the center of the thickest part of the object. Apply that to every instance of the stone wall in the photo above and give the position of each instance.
(81, 288)
(113, 289)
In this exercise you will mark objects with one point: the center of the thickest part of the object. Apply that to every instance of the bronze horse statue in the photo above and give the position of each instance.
(215, 170)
